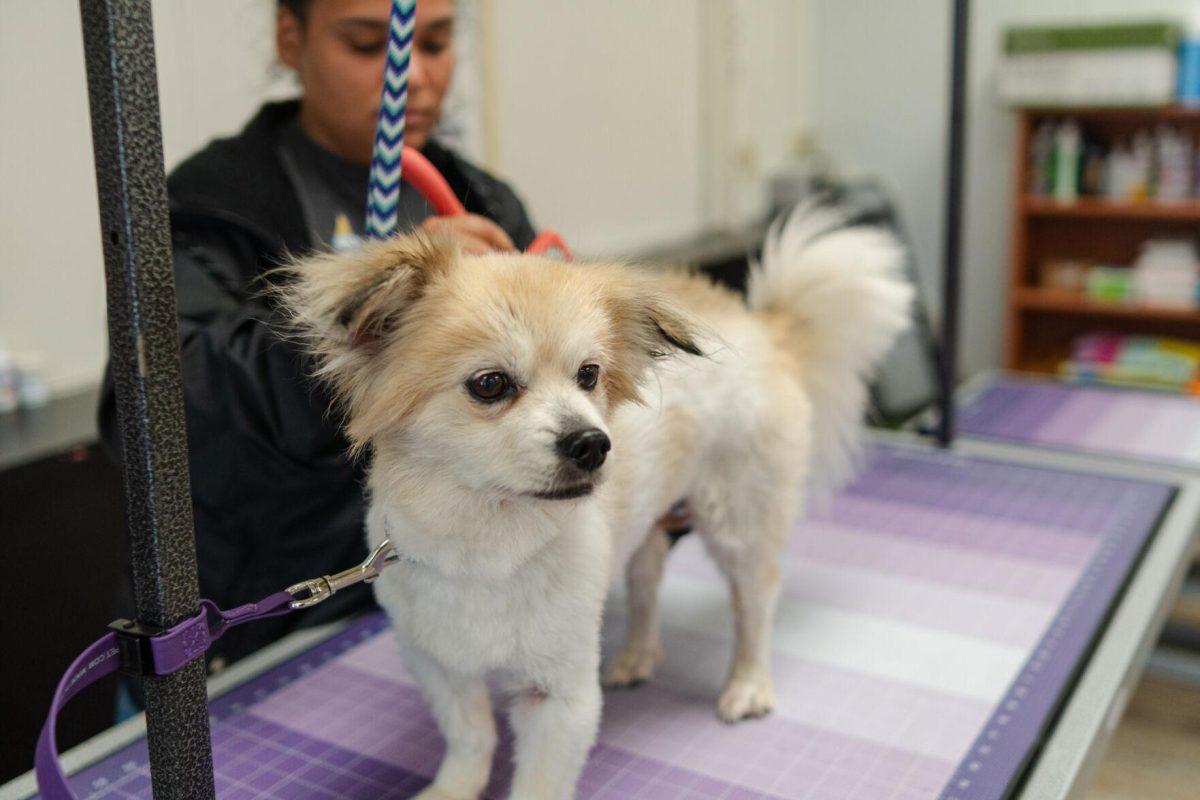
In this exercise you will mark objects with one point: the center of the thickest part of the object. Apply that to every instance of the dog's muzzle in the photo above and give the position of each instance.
(586, 448)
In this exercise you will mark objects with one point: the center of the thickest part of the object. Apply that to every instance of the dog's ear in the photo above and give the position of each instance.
(647, 326)
(345, 307)
(370, 315)
(671, 326)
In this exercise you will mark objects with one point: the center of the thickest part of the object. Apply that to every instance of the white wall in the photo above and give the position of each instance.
(881, 84)
(214, 63)
(880, 74)
(50, 278)
(626, 123)
(622, 125)
(598, 118)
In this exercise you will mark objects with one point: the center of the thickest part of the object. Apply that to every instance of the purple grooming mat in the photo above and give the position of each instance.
(932, 618)
(1143, 425)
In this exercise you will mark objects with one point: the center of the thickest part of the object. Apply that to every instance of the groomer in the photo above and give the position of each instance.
(276, 500)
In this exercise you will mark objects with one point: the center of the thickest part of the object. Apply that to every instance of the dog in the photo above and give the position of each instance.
(528, 421)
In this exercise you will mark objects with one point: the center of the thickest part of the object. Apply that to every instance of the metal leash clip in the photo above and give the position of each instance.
(317, 590)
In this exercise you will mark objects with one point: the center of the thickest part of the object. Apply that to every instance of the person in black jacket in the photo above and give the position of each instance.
(276, 499)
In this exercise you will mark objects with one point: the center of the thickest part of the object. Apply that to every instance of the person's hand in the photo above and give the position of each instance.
(475, 234)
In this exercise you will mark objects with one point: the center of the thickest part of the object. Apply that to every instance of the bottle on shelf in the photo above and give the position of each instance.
(1188, 67)
(1174, 165)
(9, 399)
(1041, 160)
(1091, 175)
(1142, 167)
(1067, 149)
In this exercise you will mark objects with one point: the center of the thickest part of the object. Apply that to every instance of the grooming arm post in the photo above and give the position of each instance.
(952, 245)
(144, 347)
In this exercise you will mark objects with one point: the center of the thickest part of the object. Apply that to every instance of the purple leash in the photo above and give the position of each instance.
(135, 649)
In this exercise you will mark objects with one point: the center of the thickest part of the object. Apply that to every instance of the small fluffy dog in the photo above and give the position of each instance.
(530, 420)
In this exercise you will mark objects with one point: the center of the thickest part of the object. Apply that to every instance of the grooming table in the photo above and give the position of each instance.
(934, 619)
(1140, 425)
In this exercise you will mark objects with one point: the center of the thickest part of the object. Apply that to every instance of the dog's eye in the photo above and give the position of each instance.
(490, 386)
(587, 375)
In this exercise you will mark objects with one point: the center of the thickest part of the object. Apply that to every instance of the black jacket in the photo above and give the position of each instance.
(275, 498)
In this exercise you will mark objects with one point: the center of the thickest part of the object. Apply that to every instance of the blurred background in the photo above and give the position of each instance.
(625, 126)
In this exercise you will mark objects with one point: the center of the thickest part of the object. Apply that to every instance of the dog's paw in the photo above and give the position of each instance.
(746, 698)
(633, 665)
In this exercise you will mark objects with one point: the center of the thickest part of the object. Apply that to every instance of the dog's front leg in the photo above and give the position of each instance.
(554, 731)
(463, 710)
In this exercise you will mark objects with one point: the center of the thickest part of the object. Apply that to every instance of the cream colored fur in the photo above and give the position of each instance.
(499, 582)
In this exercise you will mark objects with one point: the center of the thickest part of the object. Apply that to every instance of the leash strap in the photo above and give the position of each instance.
(137, 649)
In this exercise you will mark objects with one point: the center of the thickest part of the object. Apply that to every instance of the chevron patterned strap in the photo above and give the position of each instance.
(383, 193)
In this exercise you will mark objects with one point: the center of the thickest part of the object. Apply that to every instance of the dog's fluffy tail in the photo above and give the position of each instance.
(844, 294)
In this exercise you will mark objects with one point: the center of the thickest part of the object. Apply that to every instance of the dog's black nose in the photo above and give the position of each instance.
(586, 448)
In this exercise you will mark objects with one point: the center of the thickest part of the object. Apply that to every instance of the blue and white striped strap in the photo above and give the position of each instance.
(383, 192)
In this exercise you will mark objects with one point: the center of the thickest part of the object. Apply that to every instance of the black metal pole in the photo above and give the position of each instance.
(144, 349)
(952, 240)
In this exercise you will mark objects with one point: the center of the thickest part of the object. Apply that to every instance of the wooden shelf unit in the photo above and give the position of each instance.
(1043, 322)
(1095, 208)
(1063, 302)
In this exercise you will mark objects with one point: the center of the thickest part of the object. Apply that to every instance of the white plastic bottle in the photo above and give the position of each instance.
(32, 389)
(1068, 144)
(1041, 160)
(8, 382)
(1174, 165)
(1142, 186)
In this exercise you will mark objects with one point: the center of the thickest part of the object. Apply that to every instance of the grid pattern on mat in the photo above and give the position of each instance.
(918, 652)
(1154, 427)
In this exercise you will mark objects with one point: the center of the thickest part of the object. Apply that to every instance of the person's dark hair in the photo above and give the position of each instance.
(297, 7)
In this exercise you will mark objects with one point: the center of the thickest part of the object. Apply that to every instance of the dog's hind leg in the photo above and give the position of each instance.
(463, 710)
(749, 692)
(642, 651)
(749, 558)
